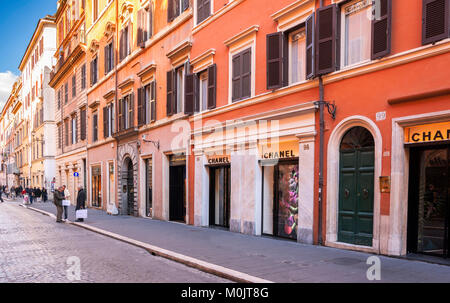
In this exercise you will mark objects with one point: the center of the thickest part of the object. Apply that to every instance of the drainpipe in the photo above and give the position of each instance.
(321, 150)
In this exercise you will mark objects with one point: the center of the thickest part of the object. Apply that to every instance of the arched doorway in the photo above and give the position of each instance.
(128, 207)
(356, 187)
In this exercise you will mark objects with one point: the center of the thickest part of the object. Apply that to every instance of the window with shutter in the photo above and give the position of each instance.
(131, 110)
(326, 30)
(74, 86)
(66, 127)
(297, 59)
(212, 86)
(83, 76)
(274, 55)
(310, 39)
(153, 101)
(120, 114)
(203, 10)
(83, 124)
(95, 127)
(435, 25)
(189, 93)
(66, 93)
(241, 81)
(141, 100)
(170, 94)
(356, 32)
(105, 122)
(381, 29)
(170, 10)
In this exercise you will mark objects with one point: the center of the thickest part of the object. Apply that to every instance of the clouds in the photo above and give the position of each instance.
(7, 80)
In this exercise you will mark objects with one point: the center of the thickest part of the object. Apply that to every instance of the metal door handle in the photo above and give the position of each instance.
(346, 193)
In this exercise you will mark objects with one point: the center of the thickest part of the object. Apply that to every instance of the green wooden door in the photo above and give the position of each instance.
(356, 188)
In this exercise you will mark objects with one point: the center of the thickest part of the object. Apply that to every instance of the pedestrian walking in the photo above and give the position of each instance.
(57, 200)
(81, 200)
(44, 195)
(66, 197)
(1, 192)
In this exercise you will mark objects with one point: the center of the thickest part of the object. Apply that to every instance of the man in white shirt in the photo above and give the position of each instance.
(66, 197)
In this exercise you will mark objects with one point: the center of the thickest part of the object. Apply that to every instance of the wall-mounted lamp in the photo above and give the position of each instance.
(155, 143)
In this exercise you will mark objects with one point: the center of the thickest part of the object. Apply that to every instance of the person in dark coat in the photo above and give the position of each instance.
(81, 200)
(57, 200)
(44, 195)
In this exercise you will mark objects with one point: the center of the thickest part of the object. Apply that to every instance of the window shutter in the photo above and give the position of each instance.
(106, 59)
(140, 31)
(170, 10)
(95, 128)
(76, 128)
(185, 5)
(121, 45)
(435, 20)
(83, 124)
(274, 56)
(212, 86)
(236, 79)
(200, 17)
(310, 35)
(381, 29)
(326, 39)
(175, 92)
(153, 101)
(71, 132)
(120, 114)
(246, 73)
(140, 101)
(131, 111)
(105, 122)
(150, 22)
(170, 94)
(189, 93)
(66, 126)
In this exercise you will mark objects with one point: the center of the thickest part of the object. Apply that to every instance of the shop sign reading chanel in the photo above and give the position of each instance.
(428, 133)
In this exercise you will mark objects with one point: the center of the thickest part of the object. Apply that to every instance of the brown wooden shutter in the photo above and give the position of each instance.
(200, 17)
(170, 10)
(236, 77)
(66, 126)
(76, 128)
(120, 114)
(435, 20)
(83, 124)
(381, 29)
(246, 75)
(140, 30)
(310, 39)
(189, 93)
(150, 22)
(95, 128)
(131, 117)
(106, 59)
(175, 92)
(139, 106)
(105, 122)
(212, 86)
(153, 101)
(274, 57)
(185, 5)
(121, 45)
(326, 29)
(170, 94)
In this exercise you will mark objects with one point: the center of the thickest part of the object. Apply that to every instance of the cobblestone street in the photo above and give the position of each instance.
(33, 248)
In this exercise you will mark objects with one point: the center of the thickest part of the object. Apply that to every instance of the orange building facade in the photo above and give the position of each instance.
(323, 122)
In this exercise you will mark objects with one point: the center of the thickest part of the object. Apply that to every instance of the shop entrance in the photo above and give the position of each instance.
(280, 198)
(128, 188)
(356, 187)
(428, 205)
(219, 196)
(177, 195)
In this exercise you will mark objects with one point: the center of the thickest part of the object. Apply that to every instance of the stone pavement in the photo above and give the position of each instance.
(33, 248)
(272, 259)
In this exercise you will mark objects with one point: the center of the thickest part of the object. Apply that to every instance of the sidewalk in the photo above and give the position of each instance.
(266, 258)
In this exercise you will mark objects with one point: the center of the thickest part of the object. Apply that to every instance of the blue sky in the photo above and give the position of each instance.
(18, 19)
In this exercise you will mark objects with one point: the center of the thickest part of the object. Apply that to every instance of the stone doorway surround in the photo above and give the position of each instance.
(332, 191)
(128, 150)
(398, 219)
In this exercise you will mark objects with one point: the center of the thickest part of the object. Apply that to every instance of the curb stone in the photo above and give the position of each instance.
(207, 267)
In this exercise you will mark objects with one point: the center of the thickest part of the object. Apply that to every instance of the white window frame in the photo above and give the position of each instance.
(203, 77)
(211, 12)
(343, 34)
(235, 49)
(290, 68)
(74, 129)
(180, 92)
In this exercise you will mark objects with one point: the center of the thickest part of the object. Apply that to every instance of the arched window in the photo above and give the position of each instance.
(356, 138)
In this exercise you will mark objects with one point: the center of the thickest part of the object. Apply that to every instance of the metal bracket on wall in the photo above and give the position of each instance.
(331, 107)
